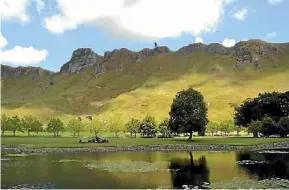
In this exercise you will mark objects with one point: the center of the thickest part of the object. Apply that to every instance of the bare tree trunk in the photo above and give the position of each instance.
(191, 136)
(28, 133)
(134, 135)
(255, 134)
(14, 131)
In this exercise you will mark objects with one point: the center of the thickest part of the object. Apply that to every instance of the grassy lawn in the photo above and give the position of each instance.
(48, 141)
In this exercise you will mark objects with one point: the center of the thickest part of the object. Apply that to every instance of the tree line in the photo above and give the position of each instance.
(264, 115)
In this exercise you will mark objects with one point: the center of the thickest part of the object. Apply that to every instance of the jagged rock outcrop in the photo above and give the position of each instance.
(7, 71)
(213, 48)
(254, 50)
(144, 53)
(251, 51)
(83, 58)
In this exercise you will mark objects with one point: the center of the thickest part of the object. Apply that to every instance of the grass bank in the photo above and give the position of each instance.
(71, 142)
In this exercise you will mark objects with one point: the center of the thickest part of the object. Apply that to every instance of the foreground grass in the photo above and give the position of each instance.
(69, 142)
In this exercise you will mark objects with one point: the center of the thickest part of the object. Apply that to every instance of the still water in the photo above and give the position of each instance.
(143, 170)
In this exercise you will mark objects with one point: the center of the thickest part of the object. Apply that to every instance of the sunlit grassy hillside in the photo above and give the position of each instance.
(146, 88)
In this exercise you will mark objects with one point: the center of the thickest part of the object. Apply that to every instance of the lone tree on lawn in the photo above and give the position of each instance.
(55, 126)
(188, 112)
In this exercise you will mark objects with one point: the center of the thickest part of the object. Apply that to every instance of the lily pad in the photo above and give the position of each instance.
(17, 155)
(129, 166)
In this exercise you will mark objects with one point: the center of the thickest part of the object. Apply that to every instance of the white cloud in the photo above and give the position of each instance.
(199, 40)
(273, 2)
(139, 18)
(229, 42)
(23, 56)
(241, 14)
(271, 35)
(3, 41)
(11, 9)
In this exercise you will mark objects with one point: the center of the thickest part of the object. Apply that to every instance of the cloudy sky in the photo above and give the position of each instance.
(45, 32)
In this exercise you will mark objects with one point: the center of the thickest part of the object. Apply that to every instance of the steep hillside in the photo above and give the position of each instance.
(128, 84)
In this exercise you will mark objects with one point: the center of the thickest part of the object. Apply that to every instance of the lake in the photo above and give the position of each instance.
(143, 170)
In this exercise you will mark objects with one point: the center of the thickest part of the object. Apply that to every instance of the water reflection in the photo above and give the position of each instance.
(189, 171)
(265, 165)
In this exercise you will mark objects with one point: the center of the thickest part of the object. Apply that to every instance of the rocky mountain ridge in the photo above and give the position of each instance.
(8, 71)
(244, 52)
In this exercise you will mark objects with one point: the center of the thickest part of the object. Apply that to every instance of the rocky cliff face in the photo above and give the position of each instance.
(7, 71)
(246, 52)
(83, 58)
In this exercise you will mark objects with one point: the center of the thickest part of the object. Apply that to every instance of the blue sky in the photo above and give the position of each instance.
(45, 32)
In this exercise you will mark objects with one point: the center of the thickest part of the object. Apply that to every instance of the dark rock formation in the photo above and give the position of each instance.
(7, 71)
(251, 51)
(83, 58)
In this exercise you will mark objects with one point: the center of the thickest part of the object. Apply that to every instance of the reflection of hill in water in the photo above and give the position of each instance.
(189, 171)
(276, 164)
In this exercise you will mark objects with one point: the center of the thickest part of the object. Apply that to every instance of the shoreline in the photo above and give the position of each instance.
(166, 147)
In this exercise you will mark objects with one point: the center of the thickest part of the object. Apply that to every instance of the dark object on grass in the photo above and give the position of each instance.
(82, 141)
(96, 139)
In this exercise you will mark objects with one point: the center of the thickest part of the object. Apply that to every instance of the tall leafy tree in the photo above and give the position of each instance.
(212, 127)
(132, 126)
(74, 126)
(227, 127)
(4, 124)
(163, 128)
(115, 125)
(95, 126)
(55, 126)
(31, 124)
(188, 112)
(269, 126)
(15, 124)
(274, 105)
(255, 127)
(148, 127)
(283, 127)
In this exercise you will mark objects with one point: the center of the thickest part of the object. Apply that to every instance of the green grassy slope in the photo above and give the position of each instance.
(145, 88)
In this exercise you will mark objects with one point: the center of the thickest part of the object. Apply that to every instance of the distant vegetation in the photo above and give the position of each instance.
(264, 115)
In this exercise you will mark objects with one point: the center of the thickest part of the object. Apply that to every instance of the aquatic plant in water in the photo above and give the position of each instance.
(129, 166)
(247, 162)
(60, 161)
(17, 155)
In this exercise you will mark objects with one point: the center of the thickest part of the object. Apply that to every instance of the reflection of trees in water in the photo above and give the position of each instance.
(188, 172)
(277, 164)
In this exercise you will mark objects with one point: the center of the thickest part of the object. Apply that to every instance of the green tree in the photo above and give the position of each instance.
(4, 124)
(274, 105)
(227, 127)
(255, 127)
(31, 124)
(74, 126)
(163, 128)
(115, 125)
(132, 126)
(269, 127)
(55, 126)
(95, 126)
(15, 124)
(148, 127)
(188, 112)
(212, 128)
(283, 127)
